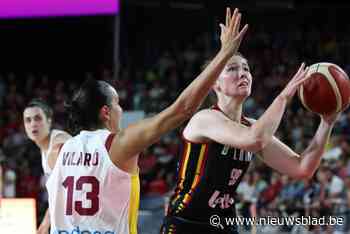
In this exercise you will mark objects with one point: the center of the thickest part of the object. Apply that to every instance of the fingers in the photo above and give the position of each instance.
(230, 19)
(299, 78)
(303, 73)
(237, 24)
(303, 77)
(222, 27)
(241, 34)
(302, 81)
(233, 20)
(301, 68)
(228, 16)
(231, 29)
(298, 75)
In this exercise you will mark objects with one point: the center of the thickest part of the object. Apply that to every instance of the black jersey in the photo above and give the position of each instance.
(208, 176)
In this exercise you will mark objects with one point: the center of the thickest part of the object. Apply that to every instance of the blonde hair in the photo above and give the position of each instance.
(212, 98)
(208, 61)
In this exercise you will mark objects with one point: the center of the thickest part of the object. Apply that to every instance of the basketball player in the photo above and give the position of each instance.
(219, 144)
(94, 187)
(37, 117)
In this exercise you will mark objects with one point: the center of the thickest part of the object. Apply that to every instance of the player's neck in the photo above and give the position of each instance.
(44, 144)
(231, 108)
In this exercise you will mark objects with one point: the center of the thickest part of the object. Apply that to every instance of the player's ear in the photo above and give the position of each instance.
(104, 113)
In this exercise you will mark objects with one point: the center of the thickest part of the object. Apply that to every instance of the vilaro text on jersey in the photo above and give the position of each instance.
(80, 159)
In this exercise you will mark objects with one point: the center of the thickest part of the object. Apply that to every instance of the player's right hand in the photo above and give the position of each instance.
(298, 79)
(230, 36)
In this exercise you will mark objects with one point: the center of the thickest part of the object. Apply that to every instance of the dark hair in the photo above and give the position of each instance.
(83, 109)
(42, 105)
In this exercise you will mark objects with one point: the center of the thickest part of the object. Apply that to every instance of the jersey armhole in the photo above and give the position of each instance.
(59, 148)
(109, 141)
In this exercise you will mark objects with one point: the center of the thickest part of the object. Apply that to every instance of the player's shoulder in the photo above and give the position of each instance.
(60, 137)
(61, 134)
(205, 118)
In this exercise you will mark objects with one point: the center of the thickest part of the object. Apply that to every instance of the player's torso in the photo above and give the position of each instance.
(208, 177)
(88, 192)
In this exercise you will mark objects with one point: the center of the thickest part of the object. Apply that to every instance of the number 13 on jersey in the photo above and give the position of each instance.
(81, 184)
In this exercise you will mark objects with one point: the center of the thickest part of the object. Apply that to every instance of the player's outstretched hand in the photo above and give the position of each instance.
(231, 37)
(298, 79)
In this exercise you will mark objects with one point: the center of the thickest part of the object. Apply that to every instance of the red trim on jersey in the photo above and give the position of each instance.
(109, 140)
(245, 121)
(216, 107)
(243, 118)
(59, 148)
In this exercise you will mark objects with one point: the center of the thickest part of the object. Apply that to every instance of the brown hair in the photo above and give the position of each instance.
(206, 62)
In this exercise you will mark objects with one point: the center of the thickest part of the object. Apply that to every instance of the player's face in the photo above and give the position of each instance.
(36, 124)
(115, 112)
(235, 80)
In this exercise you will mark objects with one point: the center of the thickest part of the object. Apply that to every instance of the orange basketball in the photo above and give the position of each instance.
(327, 91)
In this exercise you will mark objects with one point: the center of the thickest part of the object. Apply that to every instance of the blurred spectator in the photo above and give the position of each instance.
(247, 196)
(9, 187)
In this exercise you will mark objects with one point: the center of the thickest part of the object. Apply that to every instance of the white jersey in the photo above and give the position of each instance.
(88, 193)
(44, 155)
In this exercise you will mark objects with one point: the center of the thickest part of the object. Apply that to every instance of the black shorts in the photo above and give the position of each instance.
(177, 225)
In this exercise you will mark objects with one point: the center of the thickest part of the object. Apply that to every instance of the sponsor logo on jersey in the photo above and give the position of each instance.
(77, 230)
(224, 201)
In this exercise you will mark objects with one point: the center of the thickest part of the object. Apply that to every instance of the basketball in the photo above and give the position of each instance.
(327, 91)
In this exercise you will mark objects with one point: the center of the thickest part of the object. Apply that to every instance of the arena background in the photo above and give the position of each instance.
(150, 51)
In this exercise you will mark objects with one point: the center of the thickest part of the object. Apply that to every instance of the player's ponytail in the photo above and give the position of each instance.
(84, 107)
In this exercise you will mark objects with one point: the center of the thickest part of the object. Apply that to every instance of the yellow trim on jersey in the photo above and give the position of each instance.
(187, 197)
(134, 203)
(200, 160)
(184, 166)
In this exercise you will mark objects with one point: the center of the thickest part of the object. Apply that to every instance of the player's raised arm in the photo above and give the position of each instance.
(138, 136)
(235, 134)
(283, 159)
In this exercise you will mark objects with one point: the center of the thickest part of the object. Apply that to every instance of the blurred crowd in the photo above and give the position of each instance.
(273, 58)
